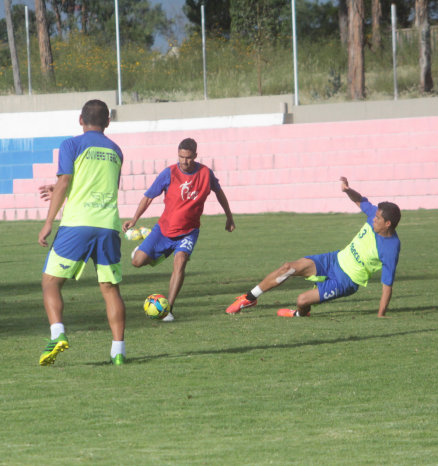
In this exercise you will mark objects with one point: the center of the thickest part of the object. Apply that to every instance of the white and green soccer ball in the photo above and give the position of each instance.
(133, 234)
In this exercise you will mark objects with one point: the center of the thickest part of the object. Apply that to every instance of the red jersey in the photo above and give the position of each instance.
(184, 201)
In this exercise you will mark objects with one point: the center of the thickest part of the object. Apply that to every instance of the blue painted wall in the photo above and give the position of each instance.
(18, 155)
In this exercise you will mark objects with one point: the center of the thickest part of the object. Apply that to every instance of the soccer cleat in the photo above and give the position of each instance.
(118, 360)
(289, 313)
(241, 303)
(52, 349)
(168, 318)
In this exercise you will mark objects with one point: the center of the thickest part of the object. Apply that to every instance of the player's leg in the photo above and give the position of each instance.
(140, 258)
(303, 267)
(54, 306)
(152, 250)
(178, 274)
(116, 314)
(52, 297)
(183, 247)
(306, 300)
(106, 256)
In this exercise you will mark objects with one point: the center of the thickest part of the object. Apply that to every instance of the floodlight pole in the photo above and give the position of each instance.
(119, 73)
(29, 77)
(394, 47)
(295, 59)
(204, 59)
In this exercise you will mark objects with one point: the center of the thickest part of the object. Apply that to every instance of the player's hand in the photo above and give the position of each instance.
(46, 191)
(127, 225)
(44, 234)
(229, 226)
(344, 183)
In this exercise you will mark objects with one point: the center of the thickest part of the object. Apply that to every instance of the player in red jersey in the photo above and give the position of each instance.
(187, 185)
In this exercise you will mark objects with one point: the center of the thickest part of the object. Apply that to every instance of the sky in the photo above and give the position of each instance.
(173, 9)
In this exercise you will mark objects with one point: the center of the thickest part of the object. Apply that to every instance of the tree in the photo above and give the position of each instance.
(12, 48)
(376, 15)
(343, 22)
(44, 42)
(423, 26)
(217, 16)
(254, 22)
(356, 62)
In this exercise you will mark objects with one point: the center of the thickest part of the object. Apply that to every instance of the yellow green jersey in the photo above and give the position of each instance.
(369, 252)
(94, 161)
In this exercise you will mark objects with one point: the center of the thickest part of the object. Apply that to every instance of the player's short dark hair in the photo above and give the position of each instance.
(391, 212)
(96, 113)
(188, 144)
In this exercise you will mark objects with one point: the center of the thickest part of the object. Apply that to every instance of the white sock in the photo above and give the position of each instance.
(256, 292)
(297, 314)
(118, 347)
(56, 330)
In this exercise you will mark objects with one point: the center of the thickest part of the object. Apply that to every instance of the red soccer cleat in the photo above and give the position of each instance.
(241, 303)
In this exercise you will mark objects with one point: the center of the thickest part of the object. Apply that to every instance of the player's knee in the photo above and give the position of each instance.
(136, 262)
(284, 272)
(302, 300)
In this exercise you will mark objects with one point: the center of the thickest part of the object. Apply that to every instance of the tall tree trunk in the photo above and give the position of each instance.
(44, 42)
(55, 8)
(84, 16)
(376, 12)
(343, 22)
(12, 48)
(422, 23)
(356, 62)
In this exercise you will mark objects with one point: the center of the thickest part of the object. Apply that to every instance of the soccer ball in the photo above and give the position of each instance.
(133, 234)
(156, 306)
(144, 231)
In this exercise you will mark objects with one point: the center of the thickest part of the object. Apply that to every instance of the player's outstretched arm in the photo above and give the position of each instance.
(384, 300)
(351, 193)
(223, 201)
(141, 209)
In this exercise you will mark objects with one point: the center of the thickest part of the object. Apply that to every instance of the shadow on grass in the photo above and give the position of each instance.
(247, 349)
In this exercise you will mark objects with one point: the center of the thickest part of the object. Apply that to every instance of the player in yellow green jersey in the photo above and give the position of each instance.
(88, 177)
(340, 273)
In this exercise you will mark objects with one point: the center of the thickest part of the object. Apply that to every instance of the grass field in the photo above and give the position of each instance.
(340, 387)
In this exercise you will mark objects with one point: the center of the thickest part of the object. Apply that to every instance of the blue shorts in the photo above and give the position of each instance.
(157, 245)
(337, 283)
(72, 248)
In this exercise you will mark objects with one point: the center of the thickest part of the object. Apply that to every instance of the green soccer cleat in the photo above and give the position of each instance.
(118, 360)
(52, 349)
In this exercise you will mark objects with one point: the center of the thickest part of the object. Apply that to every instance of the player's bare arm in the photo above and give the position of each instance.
(384, 300)
(223, 201)
(141, 209)
(351, 193)
(57, 199)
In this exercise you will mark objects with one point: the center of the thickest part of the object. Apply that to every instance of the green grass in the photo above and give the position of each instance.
(340, 387)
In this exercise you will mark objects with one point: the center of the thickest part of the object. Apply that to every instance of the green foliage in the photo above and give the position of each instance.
(341, 387)
(139, 21)
(217, 16)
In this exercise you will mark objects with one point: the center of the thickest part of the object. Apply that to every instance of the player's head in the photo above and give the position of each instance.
(187, 155)
(390, 212)
(95, 113)
(188, 144)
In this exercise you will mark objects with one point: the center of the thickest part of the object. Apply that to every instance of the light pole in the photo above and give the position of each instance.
(295, 59)
(119, 72)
